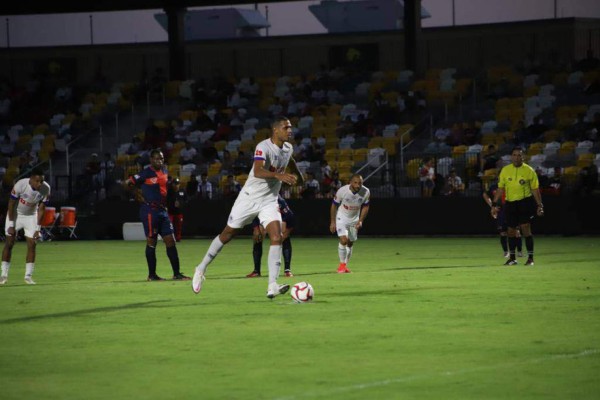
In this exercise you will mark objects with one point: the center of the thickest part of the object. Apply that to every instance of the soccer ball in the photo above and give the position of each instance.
(302, 292)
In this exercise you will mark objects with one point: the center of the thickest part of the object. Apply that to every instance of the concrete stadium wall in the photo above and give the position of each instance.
(470, 48)
(434, 216)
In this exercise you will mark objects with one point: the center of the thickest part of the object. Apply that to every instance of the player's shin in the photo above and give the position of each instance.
(274, 262)
(213, 250)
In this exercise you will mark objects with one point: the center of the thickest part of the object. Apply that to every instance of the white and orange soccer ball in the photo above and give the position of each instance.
(302, 292)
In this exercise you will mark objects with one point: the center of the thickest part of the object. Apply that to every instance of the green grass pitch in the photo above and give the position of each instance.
(419, 318)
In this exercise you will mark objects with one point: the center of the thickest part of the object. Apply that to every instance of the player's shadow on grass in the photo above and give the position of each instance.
(82, 312)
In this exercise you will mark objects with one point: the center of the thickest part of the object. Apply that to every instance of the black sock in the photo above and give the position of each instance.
(529, 245)
(174, 258)
(287, 253)
(520, 243)
(504, 243)
(512, 244)
(257, 254)
(151, 260)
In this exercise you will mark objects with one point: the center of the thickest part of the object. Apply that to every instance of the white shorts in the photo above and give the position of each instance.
(26, 222)
(346, 228)
(244, 211)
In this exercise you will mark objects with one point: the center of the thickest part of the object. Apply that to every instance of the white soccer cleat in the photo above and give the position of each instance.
(197, 281)
(275, 289)
(3, 280)
(29, 280)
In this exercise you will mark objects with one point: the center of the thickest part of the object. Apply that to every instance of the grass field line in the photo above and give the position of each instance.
(391, 381)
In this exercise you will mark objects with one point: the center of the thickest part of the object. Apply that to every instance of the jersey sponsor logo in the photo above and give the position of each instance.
(25, 202)
(258, 153)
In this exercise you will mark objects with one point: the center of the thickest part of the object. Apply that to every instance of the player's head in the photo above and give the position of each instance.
(36, 178)
(356, 182)
(516, 156)
(157, 159)
(282, 129)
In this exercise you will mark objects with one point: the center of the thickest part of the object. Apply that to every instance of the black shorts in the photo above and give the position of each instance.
(520, 212)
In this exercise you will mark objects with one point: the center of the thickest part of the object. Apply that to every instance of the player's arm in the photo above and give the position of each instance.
(133, 187)
(332, 213)
(363, 214)
(295, 170)
(487, 199)
(496, 202)
(538, 200)
(261, 172)
(41, 212)
(11, 216)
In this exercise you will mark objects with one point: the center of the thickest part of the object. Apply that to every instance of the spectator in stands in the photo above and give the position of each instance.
(7, 147)
(92, 172)
(241, 165)
(191, 187)
(227, 163)
(490, 159)
(427, 177)
(454, 185)
(187, 155)
(135, 147)
(345, 127)
(314, 151)
(471, 134)
(107, 177)
(204, 188)
(232, 188)
(209, 152)
(312, 189)
(335, 184)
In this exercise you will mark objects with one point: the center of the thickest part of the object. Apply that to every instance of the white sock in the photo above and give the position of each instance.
(274, 262)
(5, 267)
(29, 269)
(348, 254)
(342, 252)
(212, 252)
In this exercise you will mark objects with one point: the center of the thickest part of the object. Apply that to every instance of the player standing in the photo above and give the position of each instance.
(151, 192)
(26, 207)
(348, 211)
(258, 198)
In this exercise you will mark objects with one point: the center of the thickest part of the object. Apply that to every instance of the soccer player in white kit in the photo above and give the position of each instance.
(26, 207)
(258, 197)
(348, 211)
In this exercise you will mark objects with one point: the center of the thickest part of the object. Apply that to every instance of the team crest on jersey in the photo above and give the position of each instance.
(522, 181)
(153, 180)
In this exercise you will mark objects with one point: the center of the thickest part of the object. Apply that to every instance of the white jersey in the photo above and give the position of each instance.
(28, 199)
(276, 160)
(349, 203)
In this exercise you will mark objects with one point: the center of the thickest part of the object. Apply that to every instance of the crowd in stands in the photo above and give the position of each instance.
(344, 120)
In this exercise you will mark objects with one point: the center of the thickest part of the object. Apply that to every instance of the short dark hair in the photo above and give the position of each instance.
(36, 172)
(278, 120)
(155, 151)
(516, 148)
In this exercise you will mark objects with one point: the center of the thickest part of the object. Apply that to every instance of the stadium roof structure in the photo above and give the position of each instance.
(29, 7)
